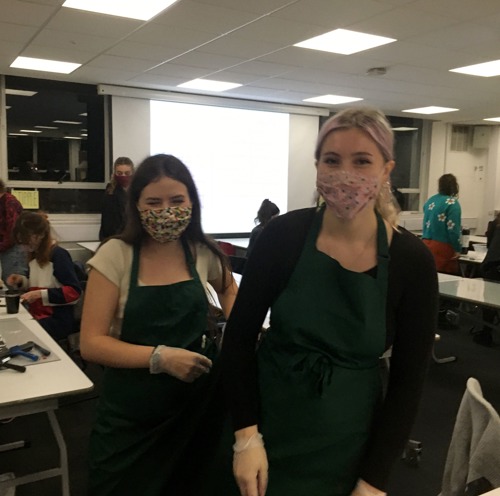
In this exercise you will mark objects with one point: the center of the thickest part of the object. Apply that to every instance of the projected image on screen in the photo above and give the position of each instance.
(237, 158)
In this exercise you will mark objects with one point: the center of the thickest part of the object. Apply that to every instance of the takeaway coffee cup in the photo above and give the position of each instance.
(12, 298)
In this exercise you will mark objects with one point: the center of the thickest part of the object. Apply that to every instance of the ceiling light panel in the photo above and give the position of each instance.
(209, 85)
(44, 65)
(133, 10)
(68, 122)
(332, 99)
(431, 110)
(486, 69)
(9, 91)
(493, 119)
(344, 42)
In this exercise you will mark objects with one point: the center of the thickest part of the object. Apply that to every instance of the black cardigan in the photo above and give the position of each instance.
(412, 302)
(113, 213)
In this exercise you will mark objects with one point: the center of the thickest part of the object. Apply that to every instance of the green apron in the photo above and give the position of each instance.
(140, 443)
(319, 371)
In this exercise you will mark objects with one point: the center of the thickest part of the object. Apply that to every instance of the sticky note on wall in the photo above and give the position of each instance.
(27, 198)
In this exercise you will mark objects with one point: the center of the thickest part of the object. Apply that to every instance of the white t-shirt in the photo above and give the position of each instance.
(114, 260)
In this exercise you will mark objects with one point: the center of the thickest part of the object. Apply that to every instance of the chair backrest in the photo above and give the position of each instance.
(237, 263)
(82, 276)
(227, 248)
(474, 452)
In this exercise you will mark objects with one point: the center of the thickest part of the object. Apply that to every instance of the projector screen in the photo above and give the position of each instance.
(237, 157)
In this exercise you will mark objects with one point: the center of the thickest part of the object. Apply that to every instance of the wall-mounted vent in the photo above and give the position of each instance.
(481, 137)
(461, 138)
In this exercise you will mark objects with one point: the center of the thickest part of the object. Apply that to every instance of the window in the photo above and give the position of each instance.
(407, 151)
(55, 142)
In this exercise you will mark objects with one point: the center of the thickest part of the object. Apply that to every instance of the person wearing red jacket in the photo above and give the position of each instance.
(13, 259)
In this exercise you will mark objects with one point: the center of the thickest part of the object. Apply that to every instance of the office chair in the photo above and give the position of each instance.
(237, 263)
(473, 460)
(227, 248)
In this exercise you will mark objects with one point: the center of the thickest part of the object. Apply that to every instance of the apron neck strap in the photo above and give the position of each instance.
(134, 273)
(382, 244)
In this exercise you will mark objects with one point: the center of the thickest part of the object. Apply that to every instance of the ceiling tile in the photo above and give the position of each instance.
(120, 63)
(72, 40)
(156, 53)
(92, 24)
(204, 17)
(25, 13)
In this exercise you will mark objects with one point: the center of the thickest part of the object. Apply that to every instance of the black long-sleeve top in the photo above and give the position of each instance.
(411, 322)
(113, 213)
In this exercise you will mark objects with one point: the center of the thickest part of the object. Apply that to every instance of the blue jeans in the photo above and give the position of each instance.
(13, 261)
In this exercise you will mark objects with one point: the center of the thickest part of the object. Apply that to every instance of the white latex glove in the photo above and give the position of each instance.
(183, 364)
(250, 471)
(364, 489)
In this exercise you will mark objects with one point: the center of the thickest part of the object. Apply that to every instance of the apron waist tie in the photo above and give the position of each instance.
(321, 368)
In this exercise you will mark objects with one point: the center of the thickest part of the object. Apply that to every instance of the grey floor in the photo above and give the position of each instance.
(443, 391)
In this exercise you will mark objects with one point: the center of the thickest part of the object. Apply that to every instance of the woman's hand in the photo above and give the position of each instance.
(31, 296)
(364, 489)
(14, 281)
(183, 364)
(250, 465)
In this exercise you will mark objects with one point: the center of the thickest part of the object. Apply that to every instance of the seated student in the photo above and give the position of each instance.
(12, 258)
(266, 212)
(52, 286)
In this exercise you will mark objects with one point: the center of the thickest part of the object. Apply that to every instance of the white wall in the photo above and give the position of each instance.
(130, 130)
(131, 133)
(477, 171)
(302, 171)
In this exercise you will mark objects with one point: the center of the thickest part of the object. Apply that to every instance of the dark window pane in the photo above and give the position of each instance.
(72, 150)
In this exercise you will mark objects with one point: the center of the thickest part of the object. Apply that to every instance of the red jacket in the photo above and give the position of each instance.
(10, 209)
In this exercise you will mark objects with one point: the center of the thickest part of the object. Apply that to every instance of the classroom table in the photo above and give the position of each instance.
(477, 291)
(469, 264)
(477, 239)
(89, 245)
(38, 389)
(494, 492)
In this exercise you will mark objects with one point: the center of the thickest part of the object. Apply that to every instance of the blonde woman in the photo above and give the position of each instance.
(343, 284)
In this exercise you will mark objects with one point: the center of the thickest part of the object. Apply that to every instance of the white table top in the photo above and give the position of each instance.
(477, 239)
(472, 257)
(477, 291)
(41, 381)
(90, 245)
(495, 492)
(447, 277)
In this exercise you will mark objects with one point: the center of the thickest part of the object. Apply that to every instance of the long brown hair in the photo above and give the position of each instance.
(35, 223)
(150, 170)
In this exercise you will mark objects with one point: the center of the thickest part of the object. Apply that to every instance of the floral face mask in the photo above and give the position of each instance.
(165, 224)
(347, 193)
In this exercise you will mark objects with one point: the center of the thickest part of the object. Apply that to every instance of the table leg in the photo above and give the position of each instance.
(63, 454)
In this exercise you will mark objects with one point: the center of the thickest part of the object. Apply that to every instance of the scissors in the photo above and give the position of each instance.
(19, 351)
(4, 363)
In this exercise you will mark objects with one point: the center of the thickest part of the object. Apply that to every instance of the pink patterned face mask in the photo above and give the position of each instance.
(165, 224)
(346, 193)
